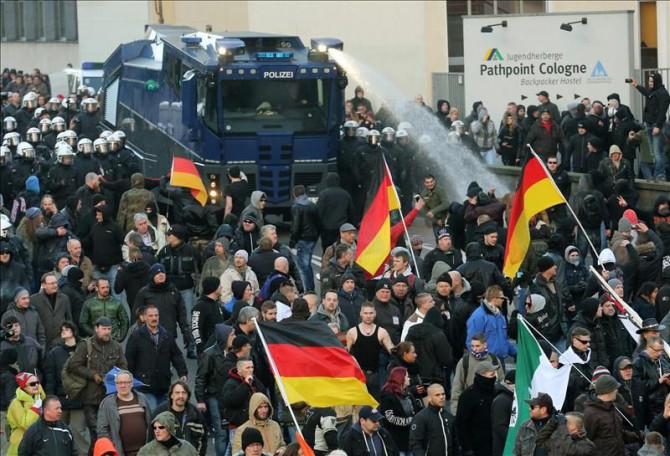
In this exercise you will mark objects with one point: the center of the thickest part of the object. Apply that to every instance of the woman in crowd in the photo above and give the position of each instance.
(398, 408)
(24, 410)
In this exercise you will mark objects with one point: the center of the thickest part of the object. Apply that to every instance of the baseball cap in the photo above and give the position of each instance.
(370, 413)
(543, 93)
(542, 399)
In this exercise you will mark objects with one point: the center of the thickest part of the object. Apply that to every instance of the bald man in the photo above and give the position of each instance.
(430, 434)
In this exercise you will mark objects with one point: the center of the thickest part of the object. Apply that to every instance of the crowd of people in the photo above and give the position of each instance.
(97, 285)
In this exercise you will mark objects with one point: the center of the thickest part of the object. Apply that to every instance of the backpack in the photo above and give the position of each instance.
(466, 363)
(73, 384)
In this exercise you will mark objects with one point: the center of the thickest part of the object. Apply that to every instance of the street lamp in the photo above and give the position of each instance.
(489, 28)
(568, 27)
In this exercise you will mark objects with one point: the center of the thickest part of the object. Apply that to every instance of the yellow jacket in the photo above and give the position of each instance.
(20, 417)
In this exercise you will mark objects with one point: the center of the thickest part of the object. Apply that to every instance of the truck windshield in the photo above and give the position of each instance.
(299, 106)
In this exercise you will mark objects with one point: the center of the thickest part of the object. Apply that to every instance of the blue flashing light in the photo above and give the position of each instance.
(275, 56)
(191, 40)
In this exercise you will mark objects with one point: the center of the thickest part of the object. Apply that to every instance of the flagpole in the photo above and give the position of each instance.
(634, 317)
(280, 382)
(402, 218)
(544, 167)
(525, 322)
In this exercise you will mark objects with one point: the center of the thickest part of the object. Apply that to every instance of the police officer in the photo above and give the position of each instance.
(365, 164)
(86, 123)
(53, 106)
(8, 125)
(85, 162)
(24, 166)
(6, 175)
(42, 151)
(61, 181)
(127, 163)
(24, 115)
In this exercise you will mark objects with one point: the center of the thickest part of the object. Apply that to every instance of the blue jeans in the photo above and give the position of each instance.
(305, 249)
(220, 432)
(656, 143)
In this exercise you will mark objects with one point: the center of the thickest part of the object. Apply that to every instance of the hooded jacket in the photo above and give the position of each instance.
(335, 206)
(20, 416)
(130, 278)
(30, 321)
(604, 427)
(170, 305)
(253, 209)
(193, 428)
(433, 348)
(356, 442)
(477, 268)
(633, 392)
(235, 397)
(212, 372)
(484, 134)
(657, 103)
(156, 448)
(132, 202)
(473, 418)
(501, 411)
(273, 439)
(647, 371)
(495, 329)
(586, 318)
(105, 241)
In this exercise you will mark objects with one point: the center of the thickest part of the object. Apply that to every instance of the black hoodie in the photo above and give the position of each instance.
(657, 103)
(105, 240)
(432, 347)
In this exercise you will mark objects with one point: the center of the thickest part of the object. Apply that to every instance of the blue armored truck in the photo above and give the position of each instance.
(266, 103)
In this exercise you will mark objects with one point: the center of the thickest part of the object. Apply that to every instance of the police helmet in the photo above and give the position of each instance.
(373, 137)
(453, 138)
(64, 154)
(408, 127)
(53, 104)
(9, 124)
(85, 146)
(361, 132)
(82, 90)
(105, 135)
(60, 137)
(128, 124)
(5, 155)
(458, 127)
(58, 124)
(70, 137)
(350, 127)
(90, 105)
(33, 135)
(45, 126)
(425, 140)
(39, 111)
(122, 136)
(5, 225)
(30, 100)
(100, 146)
(114, 142)
(11, 139)
(388, 135)
(25, 150)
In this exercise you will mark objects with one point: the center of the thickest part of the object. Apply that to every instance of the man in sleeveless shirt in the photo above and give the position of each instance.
(365, 342)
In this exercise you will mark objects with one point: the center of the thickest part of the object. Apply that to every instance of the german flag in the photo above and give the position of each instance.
(374, 237)
(537, 192)
(313, 365)
(185, 174)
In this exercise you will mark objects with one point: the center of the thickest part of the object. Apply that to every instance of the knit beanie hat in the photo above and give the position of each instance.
(74, 274)
(238, 287)
(155, 270)
(599, 372)
(250, 436)
(210, 284)
(20, 291)
(544, 263)
(242, 253)
(444, 278)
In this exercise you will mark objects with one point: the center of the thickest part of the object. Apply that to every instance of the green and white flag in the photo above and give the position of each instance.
(534, 374)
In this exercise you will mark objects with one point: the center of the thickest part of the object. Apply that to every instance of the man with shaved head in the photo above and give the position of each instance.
(430, 434)
(278, 277)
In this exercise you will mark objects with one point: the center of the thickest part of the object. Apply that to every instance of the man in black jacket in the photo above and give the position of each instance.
(209, 381)
(162, 294)
(367, 437)
(49, 436)
(182, 264)
(335, 208)
(443, 252)
(105, 241)
(473, 416)
(207, 313)
(192, 424)
(236, 393)
(655, 110)
(653, 369)
(304, 233)
(73, 414)
(149, 352)
(430, 434)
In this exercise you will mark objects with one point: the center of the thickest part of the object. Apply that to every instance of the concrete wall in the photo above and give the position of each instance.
(103, 25)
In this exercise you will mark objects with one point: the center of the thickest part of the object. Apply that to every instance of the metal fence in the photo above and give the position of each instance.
(451, 86)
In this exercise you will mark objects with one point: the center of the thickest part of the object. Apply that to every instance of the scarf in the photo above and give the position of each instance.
(491, 308)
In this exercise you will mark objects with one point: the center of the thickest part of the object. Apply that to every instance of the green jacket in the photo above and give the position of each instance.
(436, 202)
(111, 308)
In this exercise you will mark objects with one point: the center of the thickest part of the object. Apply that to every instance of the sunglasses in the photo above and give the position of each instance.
(33, 383)
(585, 342)
(159, 427)
(247, 221)
(552, 163)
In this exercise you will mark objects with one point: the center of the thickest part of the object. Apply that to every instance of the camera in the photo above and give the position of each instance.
(6, 333)
(628, 80)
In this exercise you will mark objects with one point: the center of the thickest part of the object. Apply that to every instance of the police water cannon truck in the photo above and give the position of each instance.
(266, 103)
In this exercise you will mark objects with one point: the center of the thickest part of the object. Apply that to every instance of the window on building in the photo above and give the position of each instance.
(38, 20)
(456, 9)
